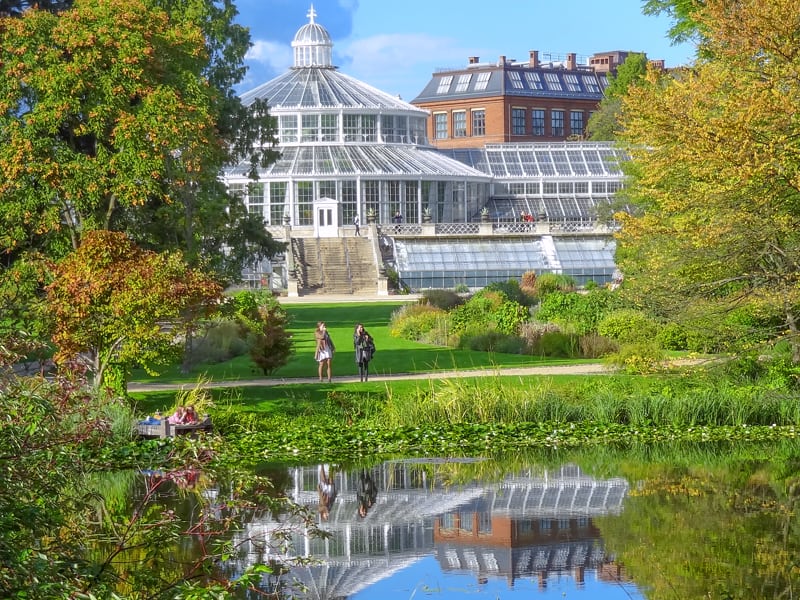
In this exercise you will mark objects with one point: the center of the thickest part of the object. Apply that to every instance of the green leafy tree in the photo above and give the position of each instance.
(265, 322)
(118, 115)
(716, 172)
(685, 27)
(604, 123)
(114, 303)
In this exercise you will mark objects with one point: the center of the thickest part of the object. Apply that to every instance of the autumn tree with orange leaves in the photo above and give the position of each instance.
(114, 303)
(716, 172)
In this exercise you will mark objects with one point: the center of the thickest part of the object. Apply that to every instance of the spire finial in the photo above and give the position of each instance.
(311, 14)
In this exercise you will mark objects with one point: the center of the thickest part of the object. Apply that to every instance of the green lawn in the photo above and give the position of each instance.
(394, 355)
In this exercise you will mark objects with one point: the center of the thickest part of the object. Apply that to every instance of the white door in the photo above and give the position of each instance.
(326, 217)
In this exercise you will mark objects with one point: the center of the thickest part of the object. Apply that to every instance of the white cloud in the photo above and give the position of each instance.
(277, 57)
(399, 63)
(381, 53)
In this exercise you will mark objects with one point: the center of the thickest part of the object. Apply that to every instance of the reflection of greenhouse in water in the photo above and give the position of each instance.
(531, 524)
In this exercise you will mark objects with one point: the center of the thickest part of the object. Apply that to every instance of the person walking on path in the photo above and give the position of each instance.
(325, 349)
(357, 224)
(365, 348)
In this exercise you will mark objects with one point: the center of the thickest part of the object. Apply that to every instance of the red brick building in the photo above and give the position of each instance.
(510, 101)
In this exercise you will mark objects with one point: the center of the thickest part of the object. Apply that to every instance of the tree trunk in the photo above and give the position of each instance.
(794, 336)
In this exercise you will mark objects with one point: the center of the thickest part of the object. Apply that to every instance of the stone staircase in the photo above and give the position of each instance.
(335, 265)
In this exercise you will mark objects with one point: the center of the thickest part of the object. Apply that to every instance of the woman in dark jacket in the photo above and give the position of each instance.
(365, 348)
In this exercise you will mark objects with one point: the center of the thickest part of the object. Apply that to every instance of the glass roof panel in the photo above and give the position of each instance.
(545, 162)
(577, 163)
(561, 162)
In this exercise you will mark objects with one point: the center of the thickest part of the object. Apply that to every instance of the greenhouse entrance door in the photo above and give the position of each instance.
(326, 217)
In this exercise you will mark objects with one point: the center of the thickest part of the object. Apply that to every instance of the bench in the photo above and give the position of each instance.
(155, 428)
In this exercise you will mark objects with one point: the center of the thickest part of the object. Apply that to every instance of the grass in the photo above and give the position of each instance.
(297, 399)
(393, 355)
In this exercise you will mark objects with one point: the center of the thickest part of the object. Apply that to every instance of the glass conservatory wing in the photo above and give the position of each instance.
(529, 165)
(545, 162)
(497, 165)
(469, 255)
(513, 163)
(561, 162)
(325, 88)
(327, 160)
(577, 162)
(594, 163)
(585, 254)
(610, 160)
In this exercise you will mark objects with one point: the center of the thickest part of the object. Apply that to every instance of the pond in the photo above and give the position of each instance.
(695, 522)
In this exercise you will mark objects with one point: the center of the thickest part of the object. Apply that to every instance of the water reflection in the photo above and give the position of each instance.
(422, 520)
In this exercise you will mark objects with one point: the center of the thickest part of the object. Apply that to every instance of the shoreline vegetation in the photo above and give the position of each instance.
(291, 417)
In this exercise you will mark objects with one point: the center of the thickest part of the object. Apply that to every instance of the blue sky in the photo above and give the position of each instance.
(425, 579)
(396, 46)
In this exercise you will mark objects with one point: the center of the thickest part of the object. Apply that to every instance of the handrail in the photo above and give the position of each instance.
(347, 264)
(320, 266)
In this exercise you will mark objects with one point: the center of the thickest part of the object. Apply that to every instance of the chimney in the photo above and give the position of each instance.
(533, 62)
(571, 61)
(501, 62)
(474, 60)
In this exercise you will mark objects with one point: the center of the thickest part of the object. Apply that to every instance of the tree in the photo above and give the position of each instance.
(114, 303)
(118, 115)
(716, 171)
(264, 322)
(685, 27)
(604, 123)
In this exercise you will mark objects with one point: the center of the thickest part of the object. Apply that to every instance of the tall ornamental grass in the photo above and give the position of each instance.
(599, 400)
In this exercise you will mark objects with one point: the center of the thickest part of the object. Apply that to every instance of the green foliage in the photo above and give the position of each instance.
(221, 341)
(123, 124)
(513, 291)
(111, 302)
(673, 336)
(639, 358)
(556, 344)
(265, 323)
(488, 309)
(416, 321)
(492, 341)
(580, 312)
(628, 326)
(717, 229)
(476, 312)
(547, 283)
(444, 299)
(48, 432)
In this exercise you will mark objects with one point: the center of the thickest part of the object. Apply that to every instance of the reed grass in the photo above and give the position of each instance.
(604, 401)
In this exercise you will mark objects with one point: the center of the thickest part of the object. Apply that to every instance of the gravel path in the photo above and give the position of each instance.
(581, 369)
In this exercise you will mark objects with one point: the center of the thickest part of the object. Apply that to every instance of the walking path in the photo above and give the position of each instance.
(581, 369)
